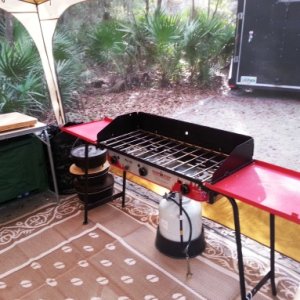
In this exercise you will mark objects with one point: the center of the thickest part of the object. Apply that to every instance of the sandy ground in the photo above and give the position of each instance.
(272, 119)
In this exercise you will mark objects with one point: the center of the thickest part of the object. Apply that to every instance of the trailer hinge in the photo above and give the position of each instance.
(240, 15)
(235, 59)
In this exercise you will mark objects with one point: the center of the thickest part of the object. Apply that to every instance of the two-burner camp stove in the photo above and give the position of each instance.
(177, 155)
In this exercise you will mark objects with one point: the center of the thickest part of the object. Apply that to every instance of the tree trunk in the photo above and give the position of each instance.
(147, 7)
(129, 8)
(9, 34)
(158, 6)
(107, 6)
(193, 13)
(208, 7)
(216, 8)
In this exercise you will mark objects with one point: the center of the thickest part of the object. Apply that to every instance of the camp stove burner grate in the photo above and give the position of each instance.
(174, 156)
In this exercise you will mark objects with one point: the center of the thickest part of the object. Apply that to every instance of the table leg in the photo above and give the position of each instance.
(272, 253)
(86, 154)
(271, 274)
(239, 247)
(47, 142)
(124, 188)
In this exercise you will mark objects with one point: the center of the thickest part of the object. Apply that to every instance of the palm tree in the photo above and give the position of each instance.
(22, 88)
(106, 42)
(164, 33)
(207, 42)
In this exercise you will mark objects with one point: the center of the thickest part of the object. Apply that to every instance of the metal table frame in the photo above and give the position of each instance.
(271, 274)
(270, 188)
(88, 206)
(87, 132)
(40, 131)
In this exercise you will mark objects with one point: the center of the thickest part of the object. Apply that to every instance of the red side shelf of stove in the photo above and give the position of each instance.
(87, 131)
(266, 186)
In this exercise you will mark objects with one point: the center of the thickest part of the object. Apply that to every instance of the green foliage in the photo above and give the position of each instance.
(69, 80)
(23, 97)
(106, 42)
(22, 84)
(68, 57)
(133, 42)
(167, 43)
(164, 29)
(164, 33)
(136, 43)
(20, 77)
(16, 60)
(207, 44)
(63, 46)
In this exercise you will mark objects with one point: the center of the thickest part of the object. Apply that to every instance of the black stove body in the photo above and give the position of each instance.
(178, 155)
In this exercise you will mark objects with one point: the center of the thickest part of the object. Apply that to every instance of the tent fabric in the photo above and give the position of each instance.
(35, 1)
(40, 18)
(42, 34)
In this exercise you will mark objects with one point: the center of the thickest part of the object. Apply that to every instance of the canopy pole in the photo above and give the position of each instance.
(35, 29)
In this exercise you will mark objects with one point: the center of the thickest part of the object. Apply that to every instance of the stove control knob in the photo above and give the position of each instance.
(143, 171)
(114, 159)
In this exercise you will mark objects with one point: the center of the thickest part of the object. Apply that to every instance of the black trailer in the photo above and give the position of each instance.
(267, 45)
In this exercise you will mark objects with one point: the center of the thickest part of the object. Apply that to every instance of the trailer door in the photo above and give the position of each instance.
(269, 53)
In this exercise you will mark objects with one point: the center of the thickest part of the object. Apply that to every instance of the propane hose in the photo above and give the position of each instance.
(186, 250)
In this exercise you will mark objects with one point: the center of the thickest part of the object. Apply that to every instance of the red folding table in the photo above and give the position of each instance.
(267, 187)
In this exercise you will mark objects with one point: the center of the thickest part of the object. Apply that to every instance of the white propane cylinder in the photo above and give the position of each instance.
(169, 218)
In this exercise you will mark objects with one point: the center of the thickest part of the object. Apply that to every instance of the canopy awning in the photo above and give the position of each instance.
(35, 1)
(40, 18)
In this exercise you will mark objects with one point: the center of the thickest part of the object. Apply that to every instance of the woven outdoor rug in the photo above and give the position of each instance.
(48, 254)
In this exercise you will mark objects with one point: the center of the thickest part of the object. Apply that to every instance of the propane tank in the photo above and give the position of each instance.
(180, 232)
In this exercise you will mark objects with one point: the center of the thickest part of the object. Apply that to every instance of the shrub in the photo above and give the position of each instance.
(164, 33)
(23, 86)
(20, 77)
(106, 42)
(207, 44)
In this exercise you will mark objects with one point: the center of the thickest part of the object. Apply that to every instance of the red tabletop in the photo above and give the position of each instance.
(87, 131)
(266, 186)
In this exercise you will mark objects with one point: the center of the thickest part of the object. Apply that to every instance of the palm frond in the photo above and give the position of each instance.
(106, 40)
(164, 29)
(64, 46)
